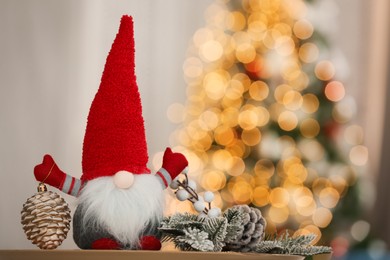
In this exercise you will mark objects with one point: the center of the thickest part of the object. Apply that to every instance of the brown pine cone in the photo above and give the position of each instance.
(253, 229)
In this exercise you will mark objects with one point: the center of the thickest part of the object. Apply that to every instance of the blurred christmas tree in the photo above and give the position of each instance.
(266, 121)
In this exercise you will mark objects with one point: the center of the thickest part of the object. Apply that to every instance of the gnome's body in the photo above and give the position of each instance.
(120, 202)
(112, 217)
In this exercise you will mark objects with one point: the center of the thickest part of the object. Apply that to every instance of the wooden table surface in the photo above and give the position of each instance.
(128, 255)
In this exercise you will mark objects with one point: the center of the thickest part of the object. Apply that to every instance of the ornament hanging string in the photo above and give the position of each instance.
(42, 187)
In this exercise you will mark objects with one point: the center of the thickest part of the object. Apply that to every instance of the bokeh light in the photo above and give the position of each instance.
(237, 166)
(247, 119)
(334, 91)
(329, 197)
(251, 137)
(279, 197)
(235, 21)
(344, 110)
(303, 29)
(308, 52)
(245, 53)
(259, 90)
(267, 121)
(278, 215)
(213, 180)
(324, 70)
(354, 135)
(310, 103)
(261, 196)
(287, 120)
(360, 230)
(292, 100)
(310, 128)
(242, 192)
(322, 217)
(211, 51)
(359, 155)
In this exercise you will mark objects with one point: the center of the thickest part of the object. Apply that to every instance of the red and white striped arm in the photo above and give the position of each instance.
(72, 185)
(49, 173)
(164, 177)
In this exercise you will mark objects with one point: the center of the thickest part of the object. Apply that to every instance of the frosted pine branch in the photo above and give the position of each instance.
(191, 233)
(234, 227)
(285, 244)
(216, 228)
(196, 239)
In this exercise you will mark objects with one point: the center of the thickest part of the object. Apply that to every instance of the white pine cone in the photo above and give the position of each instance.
(253, 232)
(46, 219)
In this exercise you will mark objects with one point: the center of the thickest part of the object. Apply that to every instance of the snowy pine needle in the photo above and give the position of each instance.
(190, 233)
(235, 227)
(195, 239)
(285, 244)
(216, 228)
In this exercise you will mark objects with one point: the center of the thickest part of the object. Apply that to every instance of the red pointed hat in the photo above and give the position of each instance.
(115, 136)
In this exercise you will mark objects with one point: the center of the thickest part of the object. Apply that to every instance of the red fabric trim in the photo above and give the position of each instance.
(163, 179)
(82, 183)
(71, 186)
(105, 172)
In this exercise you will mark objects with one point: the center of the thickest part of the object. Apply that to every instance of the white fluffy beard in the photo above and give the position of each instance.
(124, 213)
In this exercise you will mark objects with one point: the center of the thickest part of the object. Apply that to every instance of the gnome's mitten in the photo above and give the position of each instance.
(48, 172)
(173, 165)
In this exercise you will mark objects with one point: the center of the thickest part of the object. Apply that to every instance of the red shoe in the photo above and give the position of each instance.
(105, 243)
(150, 243)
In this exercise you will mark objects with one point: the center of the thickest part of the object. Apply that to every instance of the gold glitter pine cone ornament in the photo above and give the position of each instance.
(46, 218)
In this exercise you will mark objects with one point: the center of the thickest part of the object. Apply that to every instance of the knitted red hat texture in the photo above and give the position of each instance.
(115, 135)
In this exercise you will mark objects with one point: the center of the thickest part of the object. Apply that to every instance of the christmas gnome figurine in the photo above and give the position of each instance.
(120, 203)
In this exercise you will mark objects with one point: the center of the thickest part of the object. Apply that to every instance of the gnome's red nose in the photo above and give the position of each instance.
(123, 179)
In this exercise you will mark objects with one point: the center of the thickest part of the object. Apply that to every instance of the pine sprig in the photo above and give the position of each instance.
(269, 246)
(216, 228)
(285, 244)
(181, 221)
(194, 239)
(311, 250)
(234, 226)
(190, 233)
(170, 234)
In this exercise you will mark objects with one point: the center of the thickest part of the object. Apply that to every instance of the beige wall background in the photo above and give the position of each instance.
(52, 55)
